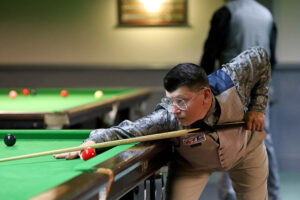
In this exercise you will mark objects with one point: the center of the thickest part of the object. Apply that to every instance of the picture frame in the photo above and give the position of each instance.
(152, 13)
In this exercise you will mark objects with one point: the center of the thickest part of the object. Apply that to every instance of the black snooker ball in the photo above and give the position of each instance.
(10, 140)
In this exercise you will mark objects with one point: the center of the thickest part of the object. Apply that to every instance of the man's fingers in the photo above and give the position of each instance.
(68, 156)
(72, 155)
(59, 156)
(257, 128)
(250, 123)
(259, 124)
(255, 120)
(255, 125)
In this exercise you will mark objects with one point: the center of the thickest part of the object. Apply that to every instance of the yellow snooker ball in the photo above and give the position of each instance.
(98, 94)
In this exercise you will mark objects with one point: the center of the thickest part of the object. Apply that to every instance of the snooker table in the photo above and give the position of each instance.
(47, 109)
(48, 178)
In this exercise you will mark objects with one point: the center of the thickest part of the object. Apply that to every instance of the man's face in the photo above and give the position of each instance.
(194, 101)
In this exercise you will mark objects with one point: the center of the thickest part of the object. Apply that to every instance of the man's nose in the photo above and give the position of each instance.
(175, 109)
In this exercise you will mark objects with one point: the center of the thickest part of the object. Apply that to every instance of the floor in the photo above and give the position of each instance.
(289, 187)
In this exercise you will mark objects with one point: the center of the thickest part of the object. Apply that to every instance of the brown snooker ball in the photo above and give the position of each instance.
(9, 140)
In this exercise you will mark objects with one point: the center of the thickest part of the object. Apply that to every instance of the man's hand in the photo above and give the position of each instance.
(68, 155)
(255, 120)
(74, 154)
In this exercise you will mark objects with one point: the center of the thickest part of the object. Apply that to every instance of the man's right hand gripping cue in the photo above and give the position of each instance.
(74, 154)
(255, 120)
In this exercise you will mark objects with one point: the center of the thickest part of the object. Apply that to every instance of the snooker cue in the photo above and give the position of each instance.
(152, 137)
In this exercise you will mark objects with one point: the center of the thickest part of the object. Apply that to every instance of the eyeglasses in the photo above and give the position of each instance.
(178, 102)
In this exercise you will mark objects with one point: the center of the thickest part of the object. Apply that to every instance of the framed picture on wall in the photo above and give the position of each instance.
(152, 12)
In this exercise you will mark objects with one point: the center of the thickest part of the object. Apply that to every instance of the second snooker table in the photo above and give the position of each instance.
(47, 109)
(48, 178)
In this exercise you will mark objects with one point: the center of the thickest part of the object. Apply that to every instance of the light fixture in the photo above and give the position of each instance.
(152, 5)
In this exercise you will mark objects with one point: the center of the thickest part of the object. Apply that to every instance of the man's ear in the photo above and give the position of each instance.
(207, 95)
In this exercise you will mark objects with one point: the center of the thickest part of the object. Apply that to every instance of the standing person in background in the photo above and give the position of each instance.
(236, 26)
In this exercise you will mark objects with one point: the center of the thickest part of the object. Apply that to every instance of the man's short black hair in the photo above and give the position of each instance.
(185, 74)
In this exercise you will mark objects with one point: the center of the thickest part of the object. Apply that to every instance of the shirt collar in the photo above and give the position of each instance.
(213, 113)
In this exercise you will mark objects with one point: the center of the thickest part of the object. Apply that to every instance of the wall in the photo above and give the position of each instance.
(78, 31)
(287, 15)
(285, 128)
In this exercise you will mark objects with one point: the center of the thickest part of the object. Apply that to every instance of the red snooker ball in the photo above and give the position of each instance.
(25, 91)
(88, 153)
(64, 93)
(13, 94)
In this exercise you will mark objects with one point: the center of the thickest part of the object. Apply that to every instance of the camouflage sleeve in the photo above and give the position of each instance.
(250, 72)
(159, 121)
